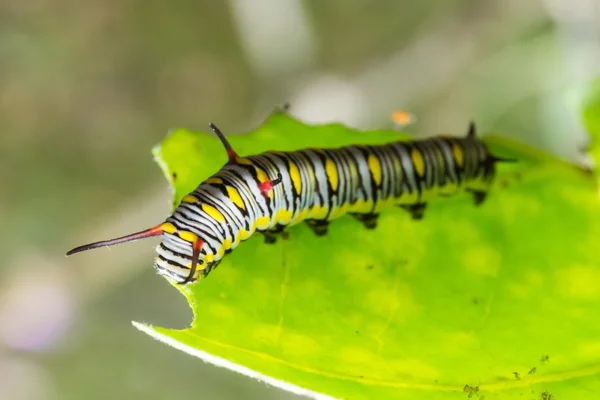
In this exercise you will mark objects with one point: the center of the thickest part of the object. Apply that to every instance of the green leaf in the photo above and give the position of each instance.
(414, 309)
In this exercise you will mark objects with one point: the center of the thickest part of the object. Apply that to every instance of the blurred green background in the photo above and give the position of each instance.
(87, 88)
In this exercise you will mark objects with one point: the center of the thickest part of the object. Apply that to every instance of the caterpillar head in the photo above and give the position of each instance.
(179, 256)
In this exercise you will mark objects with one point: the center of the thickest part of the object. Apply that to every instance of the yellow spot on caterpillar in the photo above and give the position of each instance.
(213, 213)
(234, 195)
(262, 222)
(168, 227)
(188, 198)
(295, 177)
(450, 188)
(384, 203)
(227, 244)
(214, 180)
(244, 234)
(346, 207)
(319, 212)
(209, 258)
(199, 267)
(375, 168)
(339, 211)
(362, 206)
(301, 216)
(332, 173)
(262, 175)
(243, 161)
(283, 216)
(459, 156)
(188, 236)
(418, 161)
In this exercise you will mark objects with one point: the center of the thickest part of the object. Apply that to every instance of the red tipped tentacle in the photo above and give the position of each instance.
(267, 187)
(154, 231)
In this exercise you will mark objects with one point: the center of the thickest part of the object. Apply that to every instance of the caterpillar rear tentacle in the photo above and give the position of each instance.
(311, 185)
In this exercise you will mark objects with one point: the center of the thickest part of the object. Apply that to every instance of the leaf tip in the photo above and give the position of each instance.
(141, 326)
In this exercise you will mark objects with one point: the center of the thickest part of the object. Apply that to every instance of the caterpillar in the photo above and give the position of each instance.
(271, 191)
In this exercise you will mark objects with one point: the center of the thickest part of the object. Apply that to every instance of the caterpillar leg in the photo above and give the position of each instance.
(272, 234)
(270, 237)
(368, 220)
(318, 226)
(415, 210)
(478, 196)
(209, 267)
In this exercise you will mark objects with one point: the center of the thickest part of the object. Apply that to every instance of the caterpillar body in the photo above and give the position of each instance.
(273, 190)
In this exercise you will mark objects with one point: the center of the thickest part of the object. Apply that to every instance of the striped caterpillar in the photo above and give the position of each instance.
(273, 190)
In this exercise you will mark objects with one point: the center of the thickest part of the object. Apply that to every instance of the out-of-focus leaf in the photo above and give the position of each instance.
(502, 297)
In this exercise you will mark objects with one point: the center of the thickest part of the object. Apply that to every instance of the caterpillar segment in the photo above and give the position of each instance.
(268, 192)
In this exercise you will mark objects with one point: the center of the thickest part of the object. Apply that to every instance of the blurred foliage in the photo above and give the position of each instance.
(591, 116)
(501, 298)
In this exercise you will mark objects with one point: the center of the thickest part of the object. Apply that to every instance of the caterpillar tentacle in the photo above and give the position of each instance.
(314, 186)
